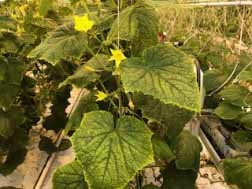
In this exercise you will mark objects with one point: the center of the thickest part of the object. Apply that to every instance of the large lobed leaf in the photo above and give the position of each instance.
(238, 172)
(70, 176)
(165, 73)
(63, 43)
(111, 152)
(138, 24)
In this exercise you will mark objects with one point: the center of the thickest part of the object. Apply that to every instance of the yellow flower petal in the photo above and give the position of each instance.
(82, 23)
(101, 96)
(117, 56)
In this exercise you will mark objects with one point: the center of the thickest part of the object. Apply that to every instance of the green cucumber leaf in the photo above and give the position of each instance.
(242, 140)
(164, 72)
(63, 43)
(214, 78)
(172, 118)
(70, 176)
(227, 111)
(246, 75)
(246, 120)
(111, 152)
(178, 179)
(138, 24)
(86, 104)
(236, 95)
(238, 172)
(187, 149)
(89, 72)
(161, 149)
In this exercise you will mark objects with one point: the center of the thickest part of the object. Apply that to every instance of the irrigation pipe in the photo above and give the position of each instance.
(49, 162)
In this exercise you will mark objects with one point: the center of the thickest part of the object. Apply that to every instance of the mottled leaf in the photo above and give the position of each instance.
(70, 176)
(111, 152)
(164, 72)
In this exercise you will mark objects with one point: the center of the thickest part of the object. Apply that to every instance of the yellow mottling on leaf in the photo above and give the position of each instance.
(101, 96)
(82, 23)
(117, 56)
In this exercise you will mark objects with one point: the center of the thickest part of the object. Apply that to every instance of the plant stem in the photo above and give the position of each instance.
(118, 82)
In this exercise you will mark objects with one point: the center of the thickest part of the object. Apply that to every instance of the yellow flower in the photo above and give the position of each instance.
(82, 23)
(117, 56)
(101, 96)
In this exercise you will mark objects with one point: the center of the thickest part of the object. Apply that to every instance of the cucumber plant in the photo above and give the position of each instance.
(141, 92)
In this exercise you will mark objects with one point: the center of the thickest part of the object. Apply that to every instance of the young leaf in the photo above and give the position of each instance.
(70, 176)
(112, 152)
(166, 73)
(238, 172)
(63, 43)
(236, 95)
(187, 149)
(227, 111)
(138, 24)
(161, 149)
(172, 118)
